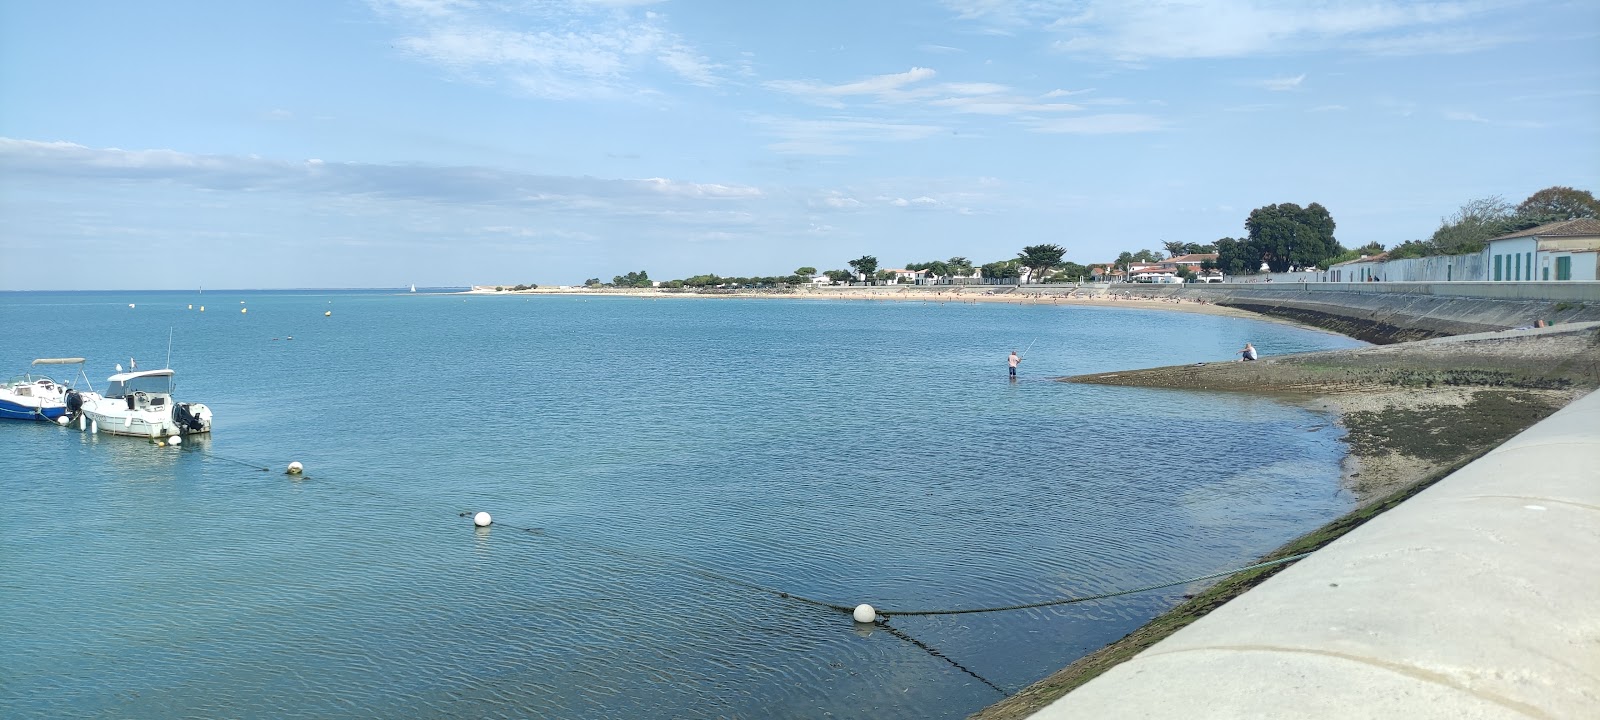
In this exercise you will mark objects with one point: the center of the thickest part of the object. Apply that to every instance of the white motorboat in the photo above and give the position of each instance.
(140, 403)
(37, 397)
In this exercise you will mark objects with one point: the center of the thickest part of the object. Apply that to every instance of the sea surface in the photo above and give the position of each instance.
(661, 474)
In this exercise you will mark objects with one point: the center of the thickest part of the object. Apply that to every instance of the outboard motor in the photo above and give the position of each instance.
(183, 418)
(74, 402)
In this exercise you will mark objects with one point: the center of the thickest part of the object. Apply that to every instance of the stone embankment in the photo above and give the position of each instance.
(1384, 313)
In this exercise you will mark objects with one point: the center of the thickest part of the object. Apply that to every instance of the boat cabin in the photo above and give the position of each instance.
(154, 385)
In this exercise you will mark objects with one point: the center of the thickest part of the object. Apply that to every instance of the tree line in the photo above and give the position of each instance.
(1281, 237)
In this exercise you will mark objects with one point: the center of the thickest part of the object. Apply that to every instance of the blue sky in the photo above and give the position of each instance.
(340, 143)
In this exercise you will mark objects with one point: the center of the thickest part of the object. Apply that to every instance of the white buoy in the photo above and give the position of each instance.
(328, 314)
(191, 306)
(295, 468)
(62, 420)
(202, 308)
(175, 440)
(864, 613)
(482, 519)
(83, 422)
(244, 310)
(94, 426)
(130, 304)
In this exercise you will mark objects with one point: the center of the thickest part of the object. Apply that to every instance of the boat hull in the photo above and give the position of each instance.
(11, 410)
(113, 418)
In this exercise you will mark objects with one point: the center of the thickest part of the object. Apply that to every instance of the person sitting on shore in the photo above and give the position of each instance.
(1248, 353)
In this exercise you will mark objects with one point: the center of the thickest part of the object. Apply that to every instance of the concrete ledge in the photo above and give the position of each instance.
(1478, 598)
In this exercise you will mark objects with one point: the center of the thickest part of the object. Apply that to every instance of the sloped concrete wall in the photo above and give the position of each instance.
(1397, 312)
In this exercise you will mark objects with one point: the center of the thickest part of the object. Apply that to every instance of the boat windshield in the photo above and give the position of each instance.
(149, 384)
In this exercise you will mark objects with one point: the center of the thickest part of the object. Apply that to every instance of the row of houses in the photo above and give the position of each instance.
(1558, 251)
(1164, 271)
(1565, 250)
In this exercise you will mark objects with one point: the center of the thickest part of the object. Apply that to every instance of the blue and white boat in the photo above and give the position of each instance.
(38, 397)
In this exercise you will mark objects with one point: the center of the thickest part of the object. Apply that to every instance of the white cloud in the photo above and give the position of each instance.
(1108, 124)
(838, 201)
(64, 161)
(701, 190)
(837, 136)
(884, 87)
(1135, 30)
(1281, 84)
(981, 98)
(555, 50)
(1462, 116)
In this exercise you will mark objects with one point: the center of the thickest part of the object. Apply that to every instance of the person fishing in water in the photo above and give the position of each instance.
(1012, 361)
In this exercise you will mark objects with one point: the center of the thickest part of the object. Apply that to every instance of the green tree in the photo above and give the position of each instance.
(1041, 258)
(1287, 235)
(592, 282)
(1234, 257)
(1368, 250)
(1127, 259)
(1003, 269)
(1071, 271)
(1176, 248)
(1559, 203)
(806, 271)
(959, 266)
(866, 265)
(1412, 249)
(839, 276)
(639, 279)
(1469, 229)
(937, 267)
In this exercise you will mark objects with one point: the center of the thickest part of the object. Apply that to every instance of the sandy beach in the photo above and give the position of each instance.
(1066, 295)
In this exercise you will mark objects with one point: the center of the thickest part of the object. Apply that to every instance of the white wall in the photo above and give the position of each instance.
(1515, 258)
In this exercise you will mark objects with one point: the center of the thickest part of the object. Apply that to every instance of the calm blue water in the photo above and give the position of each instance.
(852, 452)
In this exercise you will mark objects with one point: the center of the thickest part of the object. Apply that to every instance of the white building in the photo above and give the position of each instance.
(1565, 250)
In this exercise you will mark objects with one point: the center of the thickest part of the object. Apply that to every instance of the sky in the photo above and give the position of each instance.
(381, 143)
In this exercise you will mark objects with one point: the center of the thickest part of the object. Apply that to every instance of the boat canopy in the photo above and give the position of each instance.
(147, 381)
(59, 361)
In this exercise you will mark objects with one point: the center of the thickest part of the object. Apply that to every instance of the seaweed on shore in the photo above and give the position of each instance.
(1441, 433)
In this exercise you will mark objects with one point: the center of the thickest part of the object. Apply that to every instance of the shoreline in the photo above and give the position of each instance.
(1412, 415)
(1050, 295)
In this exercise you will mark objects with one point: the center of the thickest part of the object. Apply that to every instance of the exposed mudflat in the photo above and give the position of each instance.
(1411, 408)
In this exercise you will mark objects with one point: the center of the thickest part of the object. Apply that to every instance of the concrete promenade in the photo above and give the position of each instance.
(1478, 598)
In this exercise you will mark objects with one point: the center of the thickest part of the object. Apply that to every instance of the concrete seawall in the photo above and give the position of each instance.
(1386, 313)
(1476, 598)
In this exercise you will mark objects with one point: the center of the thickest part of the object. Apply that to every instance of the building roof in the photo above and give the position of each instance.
(1580, 227)
(1193, 258)
(1380, 257)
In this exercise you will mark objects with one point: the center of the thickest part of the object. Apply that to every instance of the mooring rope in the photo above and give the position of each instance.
(885, 612)
(711, 574)
(882, 615)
